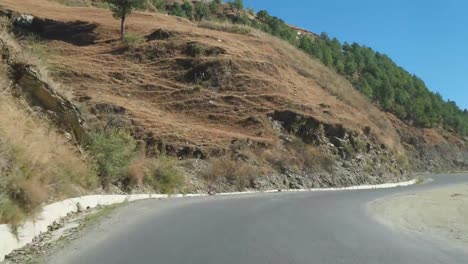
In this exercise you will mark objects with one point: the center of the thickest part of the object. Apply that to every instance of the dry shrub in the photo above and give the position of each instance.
(278, 159)
(41, 165)
(233, 172)
(309, 158)
(298, 156)
(136, 172)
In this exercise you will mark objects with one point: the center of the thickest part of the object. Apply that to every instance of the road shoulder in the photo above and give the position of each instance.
(440, 215)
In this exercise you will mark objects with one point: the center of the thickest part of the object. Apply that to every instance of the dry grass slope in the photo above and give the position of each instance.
(37, 164)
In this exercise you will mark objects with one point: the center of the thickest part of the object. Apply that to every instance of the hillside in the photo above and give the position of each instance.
(237, 108)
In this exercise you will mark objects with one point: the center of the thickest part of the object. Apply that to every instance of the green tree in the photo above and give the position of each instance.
(159, 4)
(239, 4)
(187, 8)
(121, 9)
(366, 89)
(214, 6)
(176, 10)
(202, 11)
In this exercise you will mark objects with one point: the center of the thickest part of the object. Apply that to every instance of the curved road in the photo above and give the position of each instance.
(281, 228)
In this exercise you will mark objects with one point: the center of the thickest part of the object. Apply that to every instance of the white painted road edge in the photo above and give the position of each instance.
(56, 211)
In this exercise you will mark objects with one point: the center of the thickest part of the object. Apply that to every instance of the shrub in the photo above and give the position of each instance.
(10, 212)
(201, 11)
(233, 172)
(195, 50)
(136, 172)
(162, 175)
(309, 157)
(132, 39)
(37, 48)
(349, 150)
(176, 10)
(73, 2)
(403, 161)
(159, 4)
(112, 152)
(187, 8)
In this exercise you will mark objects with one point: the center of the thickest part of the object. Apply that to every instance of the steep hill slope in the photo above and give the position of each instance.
(193, 92)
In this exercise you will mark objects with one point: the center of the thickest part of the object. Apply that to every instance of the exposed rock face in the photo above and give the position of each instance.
(39, 93)
(359, 158)
(433, 150)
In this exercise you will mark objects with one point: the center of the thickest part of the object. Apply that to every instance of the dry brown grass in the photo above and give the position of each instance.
(298, 156)
(137, 171)
(234, 172)
(39, 163)
(226, 27)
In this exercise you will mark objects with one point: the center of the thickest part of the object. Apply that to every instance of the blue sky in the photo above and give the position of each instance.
(426, 37)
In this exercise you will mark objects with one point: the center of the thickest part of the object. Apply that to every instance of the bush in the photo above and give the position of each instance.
(202, 11)
(233, 172)
(132, 39)
(159, 4)
(112, 152)
(195, 50)
(308, 157)
(187, 8)
(162, 175)
(37, 48)
(73, 2)
(10, 212)
(176, 10)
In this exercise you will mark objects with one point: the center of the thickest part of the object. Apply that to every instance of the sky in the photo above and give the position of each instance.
(428, 38)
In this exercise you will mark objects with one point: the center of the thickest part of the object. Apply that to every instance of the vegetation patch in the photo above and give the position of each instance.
(132, 39)
(37, 164)
(233, 172)
(195, 49)
(310, 158)
(112, 152)
(226, 27)
(163, 175)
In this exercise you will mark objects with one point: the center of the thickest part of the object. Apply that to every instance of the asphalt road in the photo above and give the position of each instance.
(281, 228)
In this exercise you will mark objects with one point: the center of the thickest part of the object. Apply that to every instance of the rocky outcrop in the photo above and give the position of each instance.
(433, 149)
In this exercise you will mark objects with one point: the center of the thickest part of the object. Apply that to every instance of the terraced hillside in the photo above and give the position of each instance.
(247, 97)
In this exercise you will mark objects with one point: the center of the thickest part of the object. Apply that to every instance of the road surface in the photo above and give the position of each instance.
(280, 228)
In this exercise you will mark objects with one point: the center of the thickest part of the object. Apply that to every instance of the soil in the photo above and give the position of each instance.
(441, 215)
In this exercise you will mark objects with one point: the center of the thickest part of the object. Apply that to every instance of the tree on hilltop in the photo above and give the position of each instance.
(121, 9)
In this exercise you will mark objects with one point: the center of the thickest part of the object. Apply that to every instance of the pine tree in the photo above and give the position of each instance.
(121, 9)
